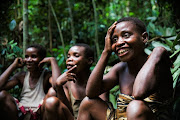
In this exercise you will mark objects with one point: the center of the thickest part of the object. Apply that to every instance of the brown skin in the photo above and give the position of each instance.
(74, 80)
(76, 77)
(136, 75)
(33, 63)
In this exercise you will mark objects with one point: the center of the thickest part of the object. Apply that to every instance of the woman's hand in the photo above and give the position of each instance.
(19, 63)
(108, 43)
(66, 76)
(46, 60)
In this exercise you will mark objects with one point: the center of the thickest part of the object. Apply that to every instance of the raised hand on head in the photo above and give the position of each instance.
(108, 43)
(19, 62)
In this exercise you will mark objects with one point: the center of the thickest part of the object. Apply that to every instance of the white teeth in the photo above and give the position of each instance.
(122, 51)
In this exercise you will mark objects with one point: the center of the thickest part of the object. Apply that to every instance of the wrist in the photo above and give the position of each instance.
(58, 84)
(14, 66)
(52, 59)
(106, 52)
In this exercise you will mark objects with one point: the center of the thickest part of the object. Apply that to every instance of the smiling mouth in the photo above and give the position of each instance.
(122, 52)
(29, 64)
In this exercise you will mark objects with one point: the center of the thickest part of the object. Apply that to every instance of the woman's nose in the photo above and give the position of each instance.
(120, 41)
(69, 58)
(29, 59)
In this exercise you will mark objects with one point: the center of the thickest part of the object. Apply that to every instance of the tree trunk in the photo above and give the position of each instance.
(25, 25)
(18, 9)
(49, 26)
(96, 29)
(72, 22)
(59, 28)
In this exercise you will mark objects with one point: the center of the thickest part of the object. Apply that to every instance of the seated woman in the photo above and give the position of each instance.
(35, 83)
(145, 82)
(74, 80)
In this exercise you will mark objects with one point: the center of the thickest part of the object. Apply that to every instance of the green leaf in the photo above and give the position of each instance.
(147, 51)
(177, 61)
(175, 77)
(158, 44)
(10, 56)
(169, 43)
(60, 62)
(176, 64)
(177, 40)
(169, 31)
(54, 49)
(12, 25)
(11, 42)
(175, 52)
(4, 51)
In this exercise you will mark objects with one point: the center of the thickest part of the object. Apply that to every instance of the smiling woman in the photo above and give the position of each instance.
(34, 83)
(126, 40)
(70, 87)
(137, 75)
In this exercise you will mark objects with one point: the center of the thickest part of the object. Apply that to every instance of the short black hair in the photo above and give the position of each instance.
(41, 50)
(88, 51)
(139, 24)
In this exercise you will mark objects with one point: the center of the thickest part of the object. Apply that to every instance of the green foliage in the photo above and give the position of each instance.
(157, 15)
(12, 25)
(113, 95)
(9, 51)
(58, 53)
(167, 38)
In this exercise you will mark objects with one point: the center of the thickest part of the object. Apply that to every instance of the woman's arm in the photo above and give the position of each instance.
(96, 84)
(149, 77)
(7, 84)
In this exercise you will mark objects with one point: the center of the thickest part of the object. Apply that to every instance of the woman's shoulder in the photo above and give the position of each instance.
(120, 66)
(19, 77)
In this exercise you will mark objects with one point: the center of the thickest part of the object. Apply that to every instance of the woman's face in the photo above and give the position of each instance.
(32, 59)
(127, 42)
(76, 56)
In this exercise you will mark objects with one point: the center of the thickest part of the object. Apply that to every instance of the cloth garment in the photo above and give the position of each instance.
(31, 98)
(162, 110)
(75, 105)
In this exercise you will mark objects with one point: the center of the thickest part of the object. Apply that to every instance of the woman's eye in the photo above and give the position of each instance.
(126, 35)
(34, 56)
(114, 39)
(76, 55)
(26, 56)
(68, 56)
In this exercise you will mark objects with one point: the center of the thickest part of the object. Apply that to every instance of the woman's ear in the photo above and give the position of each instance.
(90, 60)
(145, 37)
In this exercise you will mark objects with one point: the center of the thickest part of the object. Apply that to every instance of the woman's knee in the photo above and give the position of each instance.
(138, 108)
(87, 102)
(3, 95)
(91, 104)
(52, 104)
(51, 92)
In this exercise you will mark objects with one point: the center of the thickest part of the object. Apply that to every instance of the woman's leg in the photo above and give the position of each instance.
(138, 110)
(54, 109)
(92, 109)
(8, 107)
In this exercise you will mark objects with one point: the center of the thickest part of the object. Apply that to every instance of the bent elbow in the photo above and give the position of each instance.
(160, 52)
(138, 95)
(91, 94)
